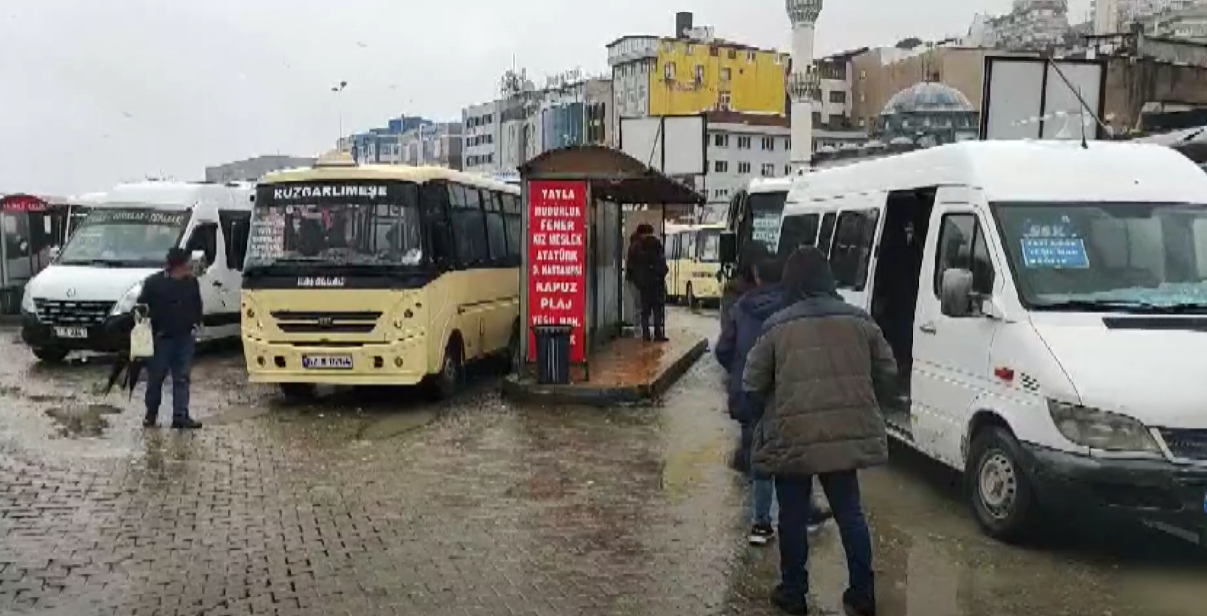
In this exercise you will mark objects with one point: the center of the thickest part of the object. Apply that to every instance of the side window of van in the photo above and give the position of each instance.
(962, 246)
(827, 233)
(435, 213)
(236, 229)
(205, 239)
(469, 226)
(496, 229)
(798, 231)
(852, 248)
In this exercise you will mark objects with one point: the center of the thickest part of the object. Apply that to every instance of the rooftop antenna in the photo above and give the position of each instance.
(1085, 107)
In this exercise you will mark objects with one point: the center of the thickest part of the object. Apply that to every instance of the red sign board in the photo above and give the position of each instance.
(17, 204)
(557, 261)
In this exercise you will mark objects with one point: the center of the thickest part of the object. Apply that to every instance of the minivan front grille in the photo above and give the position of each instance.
(68, 313)
(1186, 444)
(326, 322)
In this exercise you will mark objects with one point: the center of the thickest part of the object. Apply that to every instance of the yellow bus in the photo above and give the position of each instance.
(379, 275)
(693, 262)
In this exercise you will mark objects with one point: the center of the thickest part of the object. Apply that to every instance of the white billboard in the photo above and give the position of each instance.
(674, 145)
(1036, 98)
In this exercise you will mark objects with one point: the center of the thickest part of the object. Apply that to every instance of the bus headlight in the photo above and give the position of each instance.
(1101, 429)
(127, 301)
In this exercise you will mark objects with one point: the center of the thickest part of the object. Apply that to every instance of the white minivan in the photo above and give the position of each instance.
(95, 279)
(1047, 303)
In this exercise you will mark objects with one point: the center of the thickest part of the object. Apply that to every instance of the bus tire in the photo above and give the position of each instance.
(50, 355)
(998, 488)
(297, 392)
(447, 382)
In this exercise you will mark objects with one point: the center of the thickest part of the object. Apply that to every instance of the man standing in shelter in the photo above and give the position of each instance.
(648, 262)
(173, 300)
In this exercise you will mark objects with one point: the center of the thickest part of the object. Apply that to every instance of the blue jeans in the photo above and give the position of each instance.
(796, 510)
(172, 355)
(762, 489)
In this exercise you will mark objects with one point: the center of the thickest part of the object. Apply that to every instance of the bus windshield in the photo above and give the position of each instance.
(346, 223)
(124, 237)
(709, 241)
(1107, 257)
(766, 210)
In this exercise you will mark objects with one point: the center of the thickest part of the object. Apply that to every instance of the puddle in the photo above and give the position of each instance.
(396, 425)
(82, 421)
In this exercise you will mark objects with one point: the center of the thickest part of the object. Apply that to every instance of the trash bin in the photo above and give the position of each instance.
(552, 354)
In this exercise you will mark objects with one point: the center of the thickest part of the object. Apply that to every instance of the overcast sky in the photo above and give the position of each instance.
(93, 92)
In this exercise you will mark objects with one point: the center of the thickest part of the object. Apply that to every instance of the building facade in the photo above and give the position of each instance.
(694, 72)
(741, 147)
(252, 169)
(1031, 25)
(879, 74)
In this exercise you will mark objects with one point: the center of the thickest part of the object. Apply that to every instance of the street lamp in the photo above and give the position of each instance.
(337, 89)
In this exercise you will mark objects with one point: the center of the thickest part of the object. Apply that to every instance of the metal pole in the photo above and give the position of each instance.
(525, 265)
(3, 250)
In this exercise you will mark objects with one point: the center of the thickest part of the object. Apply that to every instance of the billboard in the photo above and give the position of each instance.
(1037, 98)
(557, 261)
(674, 145)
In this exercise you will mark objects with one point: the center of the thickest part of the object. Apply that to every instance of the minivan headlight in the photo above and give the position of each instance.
(127, 301)
(28, 306)
(1101, 429)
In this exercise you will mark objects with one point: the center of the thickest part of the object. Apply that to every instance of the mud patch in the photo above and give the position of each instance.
(396, 425)
(82, 421)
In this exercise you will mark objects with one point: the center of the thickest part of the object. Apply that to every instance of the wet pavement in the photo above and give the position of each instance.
(372, 503)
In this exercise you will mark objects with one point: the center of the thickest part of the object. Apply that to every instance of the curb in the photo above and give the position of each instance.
(529, 392)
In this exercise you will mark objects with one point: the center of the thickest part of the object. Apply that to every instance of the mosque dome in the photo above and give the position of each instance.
(928, 97)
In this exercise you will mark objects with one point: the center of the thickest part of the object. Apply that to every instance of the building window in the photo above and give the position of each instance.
(726, 74)
(769, 144)
(668, 71)
(743, 143)
(721, 140)
(733, 54)
(713, 51)
(691, 49)
(768, 170)
(743, 168)
(724, 101)
(699, 73)
(838, 96)
(787, 169)
(787, 143)
(720, 166)
(816, 118)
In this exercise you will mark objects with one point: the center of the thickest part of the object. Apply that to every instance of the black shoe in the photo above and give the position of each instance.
(148, 422)
(789, 603)
(761, 534)
(855, 606)
(186, 424)
(661, 339)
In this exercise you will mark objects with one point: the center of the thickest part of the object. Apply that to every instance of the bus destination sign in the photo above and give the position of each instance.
(557, 261)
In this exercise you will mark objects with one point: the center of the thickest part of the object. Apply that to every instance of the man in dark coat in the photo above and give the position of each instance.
(173, 301)
(649, 268)
(820, 372)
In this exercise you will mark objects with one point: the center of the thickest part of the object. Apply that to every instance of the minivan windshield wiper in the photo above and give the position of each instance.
(1122, 306)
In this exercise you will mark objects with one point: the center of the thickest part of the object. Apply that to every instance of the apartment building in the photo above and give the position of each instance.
(741, 147)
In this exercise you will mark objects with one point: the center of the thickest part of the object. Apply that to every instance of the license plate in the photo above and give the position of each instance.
(75, 333)
(327, 362)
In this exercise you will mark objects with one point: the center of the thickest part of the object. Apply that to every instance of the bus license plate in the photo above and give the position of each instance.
(75, 333)
(327, 362)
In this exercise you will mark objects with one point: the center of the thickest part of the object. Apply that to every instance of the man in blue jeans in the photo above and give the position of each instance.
(172, 299)
(740, 327)
(824, 371)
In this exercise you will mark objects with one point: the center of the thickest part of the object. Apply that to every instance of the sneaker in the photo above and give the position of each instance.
(761, 534)
(819, 519)
(855, 606)
(789, 603)
(186, 424)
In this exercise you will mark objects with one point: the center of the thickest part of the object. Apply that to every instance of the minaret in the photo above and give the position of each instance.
(804, 85)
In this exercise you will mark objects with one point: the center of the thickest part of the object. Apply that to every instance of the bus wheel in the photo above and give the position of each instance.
(297, 392)
(50, 355)
(452, 372)
(998, 488)
(692, 302)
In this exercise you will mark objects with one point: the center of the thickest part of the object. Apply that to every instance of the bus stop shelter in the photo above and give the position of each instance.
(572, 272)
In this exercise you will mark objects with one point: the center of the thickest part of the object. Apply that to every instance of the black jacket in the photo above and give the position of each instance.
(174, 304)
(647, 261)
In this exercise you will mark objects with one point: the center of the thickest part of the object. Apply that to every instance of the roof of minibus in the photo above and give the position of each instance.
(1034, 171)
(398, 173)
(768, 185)
(164, 195)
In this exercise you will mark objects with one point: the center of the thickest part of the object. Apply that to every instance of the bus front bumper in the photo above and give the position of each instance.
(401, 362)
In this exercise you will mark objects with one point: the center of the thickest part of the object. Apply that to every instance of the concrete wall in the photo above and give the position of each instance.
(1130, 83)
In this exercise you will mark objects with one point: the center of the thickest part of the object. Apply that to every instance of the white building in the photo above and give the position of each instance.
(481, 127)
(742, 146)
(1114, 16)
(1030, 25)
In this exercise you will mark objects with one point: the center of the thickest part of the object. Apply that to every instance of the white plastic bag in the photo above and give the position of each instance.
(142, 341)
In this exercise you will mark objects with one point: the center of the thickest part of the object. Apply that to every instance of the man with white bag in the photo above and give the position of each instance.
(173, 302)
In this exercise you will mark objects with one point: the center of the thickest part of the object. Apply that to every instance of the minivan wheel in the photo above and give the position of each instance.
(999, 490)
(297, 392)
(50, 355)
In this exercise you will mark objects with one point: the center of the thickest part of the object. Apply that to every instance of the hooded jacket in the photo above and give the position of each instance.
(647, 261)
(824, 370)
(740, 328)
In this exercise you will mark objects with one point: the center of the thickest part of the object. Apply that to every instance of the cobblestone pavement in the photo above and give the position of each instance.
(373, 504)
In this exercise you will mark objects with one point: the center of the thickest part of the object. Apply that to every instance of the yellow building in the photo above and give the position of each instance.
(694, 73)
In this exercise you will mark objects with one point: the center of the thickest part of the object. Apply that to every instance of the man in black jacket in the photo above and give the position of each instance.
(173, 300)
(648, 264)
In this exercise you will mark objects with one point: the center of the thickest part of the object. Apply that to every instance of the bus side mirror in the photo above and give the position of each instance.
(955, 293)
(728, 248)
(199, 262)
